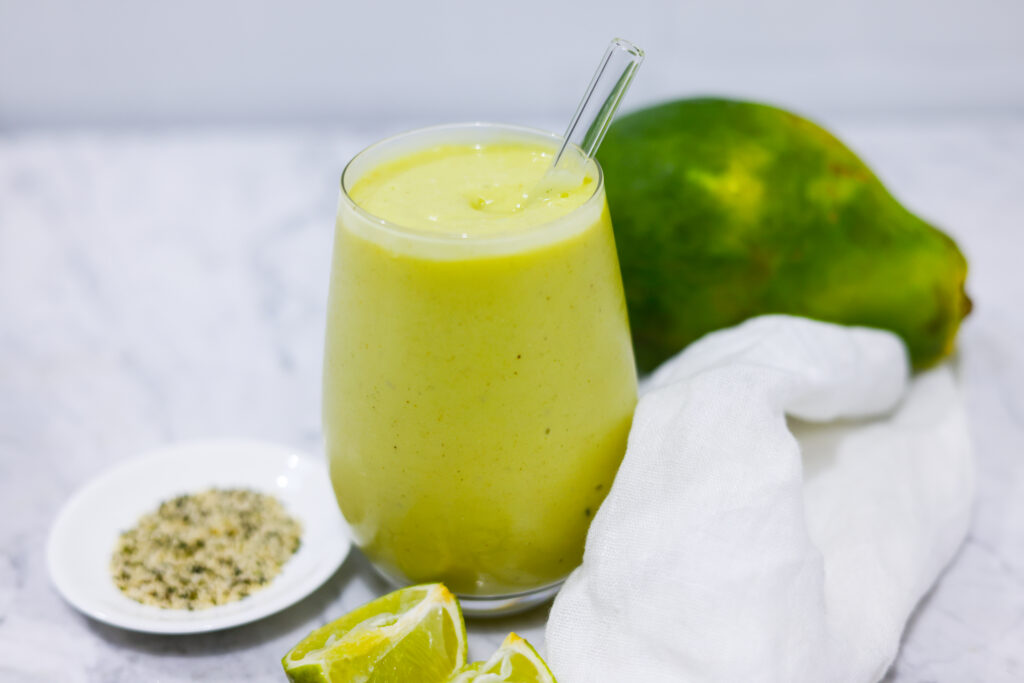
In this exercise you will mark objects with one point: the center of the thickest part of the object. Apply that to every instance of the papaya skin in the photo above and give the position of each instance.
(724, 210)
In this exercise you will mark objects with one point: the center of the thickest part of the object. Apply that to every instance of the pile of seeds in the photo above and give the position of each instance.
(210, 548)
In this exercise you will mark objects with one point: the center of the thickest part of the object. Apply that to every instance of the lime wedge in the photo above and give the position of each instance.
(413, 634)
(515, 662)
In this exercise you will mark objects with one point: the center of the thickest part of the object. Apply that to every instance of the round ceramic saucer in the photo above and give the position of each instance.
(87, 528)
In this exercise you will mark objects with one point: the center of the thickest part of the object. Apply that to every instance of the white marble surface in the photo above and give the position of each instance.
(158, 287)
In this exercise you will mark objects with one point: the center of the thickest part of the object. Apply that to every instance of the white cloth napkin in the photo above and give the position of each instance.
(738, 546)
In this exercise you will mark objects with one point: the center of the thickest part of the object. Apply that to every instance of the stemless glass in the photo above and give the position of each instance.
(478, 390)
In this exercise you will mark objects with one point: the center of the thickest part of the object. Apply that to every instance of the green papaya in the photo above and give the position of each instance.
(724, 210)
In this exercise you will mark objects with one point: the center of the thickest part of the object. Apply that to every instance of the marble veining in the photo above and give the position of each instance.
(167, 286)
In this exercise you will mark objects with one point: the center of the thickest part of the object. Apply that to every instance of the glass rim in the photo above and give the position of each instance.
(450, 238)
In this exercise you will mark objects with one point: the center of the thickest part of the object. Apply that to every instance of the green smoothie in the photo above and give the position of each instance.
(479, 382)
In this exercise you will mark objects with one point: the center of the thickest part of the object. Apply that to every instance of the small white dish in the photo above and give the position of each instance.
(87, 528)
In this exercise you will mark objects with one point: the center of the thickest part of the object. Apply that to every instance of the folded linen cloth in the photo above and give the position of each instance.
(735, 545)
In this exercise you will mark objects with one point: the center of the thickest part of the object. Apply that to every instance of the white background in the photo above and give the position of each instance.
(337, 62)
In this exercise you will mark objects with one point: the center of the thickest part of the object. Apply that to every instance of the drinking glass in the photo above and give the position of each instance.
(478, 389)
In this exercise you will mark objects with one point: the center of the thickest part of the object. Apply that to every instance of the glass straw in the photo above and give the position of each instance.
(597, 108)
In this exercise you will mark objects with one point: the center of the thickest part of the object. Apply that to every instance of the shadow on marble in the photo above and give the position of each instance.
(499, 627)
(892, 674)
(920, 608)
